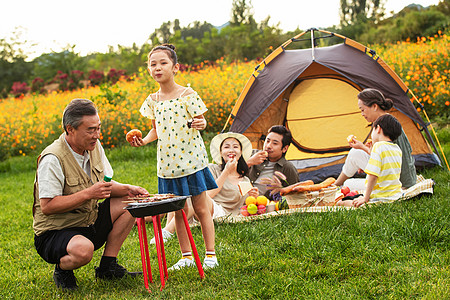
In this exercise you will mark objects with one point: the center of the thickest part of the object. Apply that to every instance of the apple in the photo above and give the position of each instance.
(352, 193)
(350, 138)
(252, 209)
(345, 190)
(261, 209)
(244, 211)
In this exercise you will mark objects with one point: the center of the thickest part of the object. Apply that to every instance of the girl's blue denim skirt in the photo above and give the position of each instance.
(193, 184)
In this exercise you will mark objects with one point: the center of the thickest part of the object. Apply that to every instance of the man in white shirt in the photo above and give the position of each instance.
(70, 222)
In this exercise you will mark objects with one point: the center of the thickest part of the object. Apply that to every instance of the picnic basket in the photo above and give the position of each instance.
(323, 197)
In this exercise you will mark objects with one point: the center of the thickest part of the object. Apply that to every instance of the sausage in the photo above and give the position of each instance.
(288, 189)
(308, 188)
(313, 187)
(327, 182)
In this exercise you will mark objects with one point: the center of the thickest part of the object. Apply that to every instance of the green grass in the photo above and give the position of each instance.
(392, 251)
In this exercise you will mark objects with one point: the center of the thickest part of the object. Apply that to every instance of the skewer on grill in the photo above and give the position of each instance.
(150, 198)
(128, 201)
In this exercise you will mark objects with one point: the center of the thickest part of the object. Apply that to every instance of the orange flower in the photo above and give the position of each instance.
(422, 63)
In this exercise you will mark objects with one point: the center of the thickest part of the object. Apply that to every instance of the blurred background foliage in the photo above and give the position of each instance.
(240, 39)
(30, 122)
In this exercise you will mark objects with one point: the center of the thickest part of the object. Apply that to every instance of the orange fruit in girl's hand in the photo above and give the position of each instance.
(133, 133)
(250, 200)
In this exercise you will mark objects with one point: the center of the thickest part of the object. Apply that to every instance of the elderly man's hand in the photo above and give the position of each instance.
(100, 190)
(137, 191)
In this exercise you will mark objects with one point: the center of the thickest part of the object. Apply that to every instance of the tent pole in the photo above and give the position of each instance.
(312, 44)
(432, 129)
(226, 123)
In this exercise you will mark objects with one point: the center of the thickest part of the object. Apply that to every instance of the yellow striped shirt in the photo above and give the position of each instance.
(385, 163)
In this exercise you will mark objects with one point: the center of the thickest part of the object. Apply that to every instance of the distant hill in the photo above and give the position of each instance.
(219, 28)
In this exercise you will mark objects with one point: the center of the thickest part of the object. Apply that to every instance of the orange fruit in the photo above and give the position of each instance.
(250, 200)
(262, 200)
(132, 133)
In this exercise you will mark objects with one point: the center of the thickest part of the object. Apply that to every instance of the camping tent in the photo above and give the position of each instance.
(313, 92)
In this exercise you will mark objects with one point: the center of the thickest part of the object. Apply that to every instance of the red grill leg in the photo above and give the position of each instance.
(143, 245)
(163, 252)
(194, 249)
(159, 246)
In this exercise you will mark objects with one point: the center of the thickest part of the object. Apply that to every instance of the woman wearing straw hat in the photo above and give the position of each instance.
(229, 151)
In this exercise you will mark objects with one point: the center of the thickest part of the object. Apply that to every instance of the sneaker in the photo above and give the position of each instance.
(166, 236)
(182, 263)
(65, 279)
(113, 271)
(210, 262)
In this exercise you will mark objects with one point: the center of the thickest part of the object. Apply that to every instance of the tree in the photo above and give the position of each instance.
(241, 13)
(421, 23)
(355, 11)
(241, 39)
(13, 67)
(242, 36)
(212, 43)
(165, 32)
(411, 22)
(196, 30)
(444, 7)
(47, 65)
(11, 48)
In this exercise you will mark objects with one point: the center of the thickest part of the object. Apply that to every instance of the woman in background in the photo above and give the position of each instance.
(373, 104)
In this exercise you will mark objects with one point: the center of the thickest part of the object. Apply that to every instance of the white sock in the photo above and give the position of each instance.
(210, 253)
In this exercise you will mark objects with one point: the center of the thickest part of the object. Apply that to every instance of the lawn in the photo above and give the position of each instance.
(392, 251)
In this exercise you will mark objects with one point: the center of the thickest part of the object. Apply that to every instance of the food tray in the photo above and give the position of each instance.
(324, 197)
(143, 209)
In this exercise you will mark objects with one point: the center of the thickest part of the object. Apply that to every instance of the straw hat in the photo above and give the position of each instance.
(218, 139)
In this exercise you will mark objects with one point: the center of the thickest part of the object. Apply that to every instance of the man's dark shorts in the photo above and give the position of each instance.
(52, 244)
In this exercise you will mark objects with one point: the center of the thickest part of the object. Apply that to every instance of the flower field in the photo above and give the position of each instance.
(424, 67)
(34, 121)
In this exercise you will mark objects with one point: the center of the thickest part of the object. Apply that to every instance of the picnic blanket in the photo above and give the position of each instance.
(423, 186)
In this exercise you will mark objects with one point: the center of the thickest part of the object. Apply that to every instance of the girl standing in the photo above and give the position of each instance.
(176, 113)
